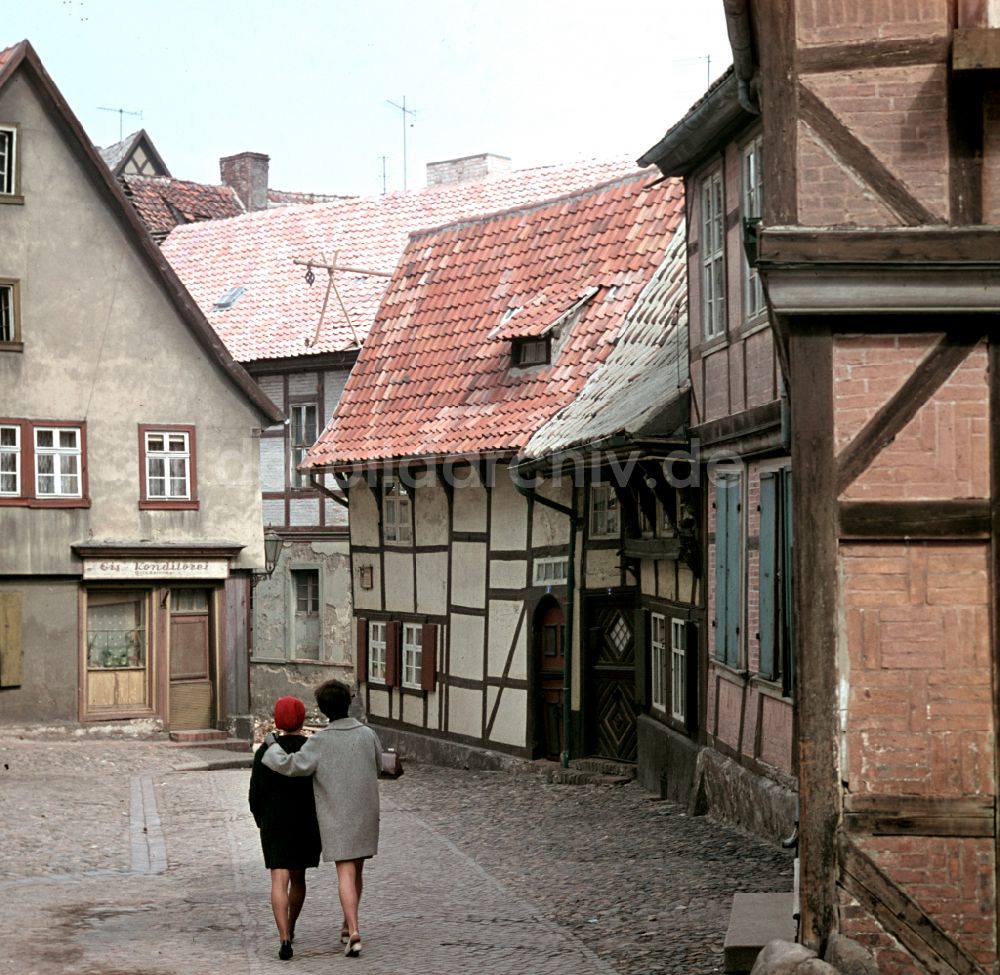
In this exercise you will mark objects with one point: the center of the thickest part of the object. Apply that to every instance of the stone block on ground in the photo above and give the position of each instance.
(755, 921)
(850, 958)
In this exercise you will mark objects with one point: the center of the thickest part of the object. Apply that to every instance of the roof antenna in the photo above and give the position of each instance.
(406, 111)
(121, 114)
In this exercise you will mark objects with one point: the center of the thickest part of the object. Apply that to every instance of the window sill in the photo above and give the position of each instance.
(165, 505)
(14, 199)
(752, 326)
(714, 344)
(770, 688)
(11, 346)
(44, 502)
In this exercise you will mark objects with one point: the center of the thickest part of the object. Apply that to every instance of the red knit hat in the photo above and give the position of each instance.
(289, 713)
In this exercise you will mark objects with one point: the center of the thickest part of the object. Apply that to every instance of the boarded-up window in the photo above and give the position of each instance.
(11, 645)
(728, 568)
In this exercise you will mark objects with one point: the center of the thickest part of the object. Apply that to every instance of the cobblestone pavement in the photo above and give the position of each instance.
(139, 858)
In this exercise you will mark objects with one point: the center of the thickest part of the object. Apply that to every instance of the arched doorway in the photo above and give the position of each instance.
(549, 665)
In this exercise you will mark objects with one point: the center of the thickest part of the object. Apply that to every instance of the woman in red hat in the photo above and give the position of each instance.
(285, 813)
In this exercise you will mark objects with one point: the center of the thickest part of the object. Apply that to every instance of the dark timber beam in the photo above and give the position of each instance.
(915, 520)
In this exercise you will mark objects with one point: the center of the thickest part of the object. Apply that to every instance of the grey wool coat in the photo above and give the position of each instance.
(344, 759)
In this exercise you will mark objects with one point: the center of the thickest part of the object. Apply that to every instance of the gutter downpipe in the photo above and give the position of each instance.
(532, 495)
(741, 41)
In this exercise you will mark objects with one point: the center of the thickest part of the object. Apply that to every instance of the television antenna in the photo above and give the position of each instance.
(406, 111)
(121, 118)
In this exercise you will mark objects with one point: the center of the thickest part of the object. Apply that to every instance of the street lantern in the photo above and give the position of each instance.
(273, 543)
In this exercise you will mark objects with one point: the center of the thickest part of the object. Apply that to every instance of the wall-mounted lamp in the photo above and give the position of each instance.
(366, 577)
(273, 543)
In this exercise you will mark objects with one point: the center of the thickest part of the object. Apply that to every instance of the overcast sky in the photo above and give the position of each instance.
(309, 82)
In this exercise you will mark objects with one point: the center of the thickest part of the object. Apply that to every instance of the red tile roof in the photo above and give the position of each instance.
(164, 203)
(278, 312)
(435, 378)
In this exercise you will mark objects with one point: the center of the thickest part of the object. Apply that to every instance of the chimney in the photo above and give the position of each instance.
(246, 173)
(466, 168)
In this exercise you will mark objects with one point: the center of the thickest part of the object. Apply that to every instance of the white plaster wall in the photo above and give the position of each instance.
(465, 712)
(551, 527)
(272, 465)
(689, 589)
(647, 577)
(468, 574)
(503, 619)
(511, 724)
(431, 515)
(432, 583)
(367, 598)
(399, 594)
(413, 710)
(333, 388)
(509, 514)
(363, 517)
(603, 568)
(467, 647)
(303, 511)
(378, 702)
(103, 343)
(508, 575)
(469, 510)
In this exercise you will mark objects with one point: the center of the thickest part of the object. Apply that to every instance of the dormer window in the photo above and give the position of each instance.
(531, 352)
(8, 163)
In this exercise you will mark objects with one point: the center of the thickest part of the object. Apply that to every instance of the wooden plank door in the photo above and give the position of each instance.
(191, 679)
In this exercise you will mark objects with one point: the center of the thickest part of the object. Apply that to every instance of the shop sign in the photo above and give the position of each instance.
(149, 568)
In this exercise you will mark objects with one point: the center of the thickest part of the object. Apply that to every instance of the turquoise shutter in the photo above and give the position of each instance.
(769, 595)
(733, 576)
(721, 589)
(786, 581)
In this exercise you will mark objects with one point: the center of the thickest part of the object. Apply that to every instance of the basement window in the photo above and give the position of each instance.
(531, 352)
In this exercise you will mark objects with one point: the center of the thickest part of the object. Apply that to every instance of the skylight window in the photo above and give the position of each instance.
(531, 352)
(228, 299)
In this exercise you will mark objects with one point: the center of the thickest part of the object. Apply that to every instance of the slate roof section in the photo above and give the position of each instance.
(164, 203)
(279, 312)
(647, 371)
(434, 381)
(118, 154)
(23, 57)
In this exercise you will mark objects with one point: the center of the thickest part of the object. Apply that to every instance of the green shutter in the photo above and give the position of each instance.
(769, 597)
(729, 552)
(721, 547)
(787, 592)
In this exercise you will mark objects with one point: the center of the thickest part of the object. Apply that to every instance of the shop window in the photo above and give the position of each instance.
(116, 630)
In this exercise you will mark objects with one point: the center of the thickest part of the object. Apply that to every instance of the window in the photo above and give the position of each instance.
(8, 161)
(658, 659)
(396, 512)
(530, 352)
(604, 514)
(753, 292)
(728, 568)
(167, 460)
(678, 669)
(713, 263)
(57, 462)
(116, 630)
(10, 316)
(775, 633)
(303, 434)
(228, 299)
(551, 571)
(412, 654)
(376, 652)
(10, 461)
(306, 617)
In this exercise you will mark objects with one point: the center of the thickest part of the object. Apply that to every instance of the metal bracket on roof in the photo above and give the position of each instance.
(331, 285)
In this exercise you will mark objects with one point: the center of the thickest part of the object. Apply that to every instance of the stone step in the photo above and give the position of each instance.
(208, 738)
(605, 766)
(198, 734)
(756, 919)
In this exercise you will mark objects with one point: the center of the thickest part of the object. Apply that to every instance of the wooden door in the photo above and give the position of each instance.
(549, 669)
(611, 708)
(191, 679)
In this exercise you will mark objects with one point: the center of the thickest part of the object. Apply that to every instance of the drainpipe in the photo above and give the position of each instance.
(741, 41)
(570, 512)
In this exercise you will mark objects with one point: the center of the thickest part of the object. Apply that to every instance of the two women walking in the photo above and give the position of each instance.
(340, 764)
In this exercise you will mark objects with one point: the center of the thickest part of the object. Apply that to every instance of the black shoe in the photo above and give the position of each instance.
(285, 951)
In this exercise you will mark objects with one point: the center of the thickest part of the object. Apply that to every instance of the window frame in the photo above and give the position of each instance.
(299, 480)
(678, 669)
(295, 617)
(751, 207)
(154, 502)
(776, 630)
(521, 346)
(411, 656)
(546, 561)
(658, 661)
(604, 500)
(28, 496)
(15, 452)
(11, 287)
(713, 255)
(10, 183)
(377, 651)
(397, 499)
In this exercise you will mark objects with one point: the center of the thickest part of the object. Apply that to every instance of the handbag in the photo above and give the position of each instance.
(391, 766)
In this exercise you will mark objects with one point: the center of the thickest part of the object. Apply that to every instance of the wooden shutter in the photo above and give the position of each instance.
(722, 495)
(393, 630)
(428, 656)
(768, 593)
(692, 668)
(643, 651)
(361, 653)
(785, 563)
(11, 643)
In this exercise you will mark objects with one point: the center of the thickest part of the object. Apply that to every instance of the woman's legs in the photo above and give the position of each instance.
(349, 883)
(296, 898)
(280, 879)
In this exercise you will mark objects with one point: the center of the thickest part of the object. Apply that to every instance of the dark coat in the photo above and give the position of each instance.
(285, 813)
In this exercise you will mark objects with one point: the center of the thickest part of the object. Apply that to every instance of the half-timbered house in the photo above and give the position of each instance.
(292, 292)
(468, 622)
(879, 258)
(129, 489)
(747, 772)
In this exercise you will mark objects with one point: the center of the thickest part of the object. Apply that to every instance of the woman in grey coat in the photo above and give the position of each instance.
(344, 760)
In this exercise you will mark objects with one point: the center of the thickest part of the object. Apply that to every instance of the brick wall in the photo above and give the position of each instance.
(823, 22)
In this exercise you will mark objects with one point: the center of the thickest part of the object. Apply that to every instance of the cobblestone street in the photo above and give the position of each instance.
(140, 858)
